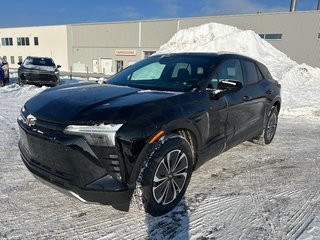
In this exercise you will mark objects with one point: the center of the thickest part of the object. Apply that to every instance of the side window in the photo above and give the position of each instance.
(260, 77)
(228, 70)
(251, 70)
(179, 66)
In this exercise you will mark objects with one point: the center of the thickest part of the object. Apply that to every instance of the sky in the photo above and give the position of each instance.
(57, 12)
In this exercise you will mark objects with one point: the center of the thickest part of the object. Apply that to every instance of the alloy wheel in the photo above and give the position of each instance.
(170, 177)
(272, 126)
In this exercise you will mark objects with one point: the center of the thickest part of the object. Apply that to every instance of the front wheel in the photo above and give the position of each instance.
(166, 176)
(20, 82)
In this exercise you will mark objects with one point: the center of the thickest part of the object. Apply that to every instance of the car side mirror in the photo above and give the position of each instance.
(230, 85)
(58, 66)
(4, 63)
(19, 63)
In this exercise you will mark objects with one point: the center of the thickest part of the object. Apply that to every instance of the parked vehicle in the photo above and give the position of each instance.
(149, 127)
(39, 71)
(4, 72)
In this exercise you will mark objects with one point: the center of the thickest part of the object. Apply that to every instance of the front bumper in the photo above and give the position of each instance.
(70, 165)
(39, 78)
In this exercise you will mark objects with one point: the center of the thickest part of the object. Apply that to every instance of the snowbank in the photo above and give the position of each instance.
(299, 82)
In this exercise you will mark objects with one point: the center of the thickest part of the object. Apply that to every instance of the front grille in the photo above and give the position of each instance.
(46, 147)
(49, 156)
(38, 77)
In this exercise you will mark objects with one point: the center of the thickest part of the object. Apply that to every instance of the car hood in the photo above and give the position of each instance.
(90, 102)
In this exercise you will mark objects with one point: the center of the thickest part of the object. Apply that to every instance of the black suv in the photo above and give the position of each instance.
(38, 70)
(4, 72)
(148, 127)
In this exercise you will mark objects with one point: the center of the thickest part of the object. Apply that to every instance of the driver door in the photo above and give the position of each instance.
(237, 111)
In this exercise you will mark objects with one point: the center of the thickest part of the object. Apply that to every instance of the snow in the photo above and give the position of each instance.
(249, 192)
(300, 83)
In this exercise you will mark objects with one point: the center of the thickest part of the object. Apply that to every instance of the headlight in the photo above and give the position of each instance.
(101, 135)
(56, 72)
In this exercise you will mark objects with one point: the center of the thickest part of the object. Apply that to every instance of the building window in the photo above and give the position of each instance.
(19, 58)
(12, 60)
(4, 58)
(23, 41)
(6, 41)
(148, 53)
(271, 36)
(119, 65)
(36, 41)
(318, 35)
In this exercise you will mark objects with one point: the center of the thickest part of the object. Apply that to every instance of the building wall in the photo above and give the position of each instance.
(52, 43)
(95, 41)
(299, 31)
(101, 41)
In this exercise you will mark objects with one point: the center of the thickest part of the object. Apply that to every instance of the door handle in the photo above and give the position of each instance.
(246, 98)
(269, 91)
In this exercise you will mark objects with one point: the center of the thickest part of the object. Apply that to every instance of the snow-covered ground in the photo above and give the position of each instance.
(249, 192)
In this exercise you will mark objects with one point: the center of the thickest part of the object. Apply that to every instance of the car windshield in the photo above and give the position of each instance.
(39, 62)
(165, 72)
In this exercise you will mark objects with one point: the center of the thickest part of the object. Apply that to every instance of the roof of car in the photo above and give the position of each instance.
(39, 57)
(210, 54)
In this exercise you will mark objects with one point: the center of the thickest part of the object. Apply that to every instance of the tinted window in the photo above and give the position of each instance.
(251, 70)
(260, 77)
(264, 71)
(167, 72)
(230, 70)
(36, 41)
(273, 36)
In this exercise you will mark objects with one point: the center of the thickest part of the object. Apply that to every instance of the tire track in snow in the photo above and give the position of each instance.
(258, 176)
(306, 213)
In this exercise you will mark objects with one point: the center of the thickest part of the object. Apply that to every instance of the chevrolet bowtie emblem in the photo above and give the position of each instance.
(31, 120)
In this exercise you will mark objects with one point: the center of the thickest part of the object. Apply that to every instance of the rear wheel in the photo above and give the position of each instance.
(166, 176)
(270, 128)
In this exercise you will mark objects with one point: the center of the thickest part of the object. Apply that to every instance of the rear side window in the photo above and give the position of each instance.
(264, 70)
(251, 72)
(260, 77)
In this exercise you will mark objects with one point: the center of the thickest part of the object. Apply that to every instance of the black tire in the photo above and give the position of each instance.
(271, 125)
(20, 82)
(3, 80)
(270, 128)
(8, 78)
(166, 175)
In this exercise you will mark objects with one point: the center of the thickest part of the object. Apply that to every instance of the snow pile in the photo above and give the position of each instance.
(299, 82)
